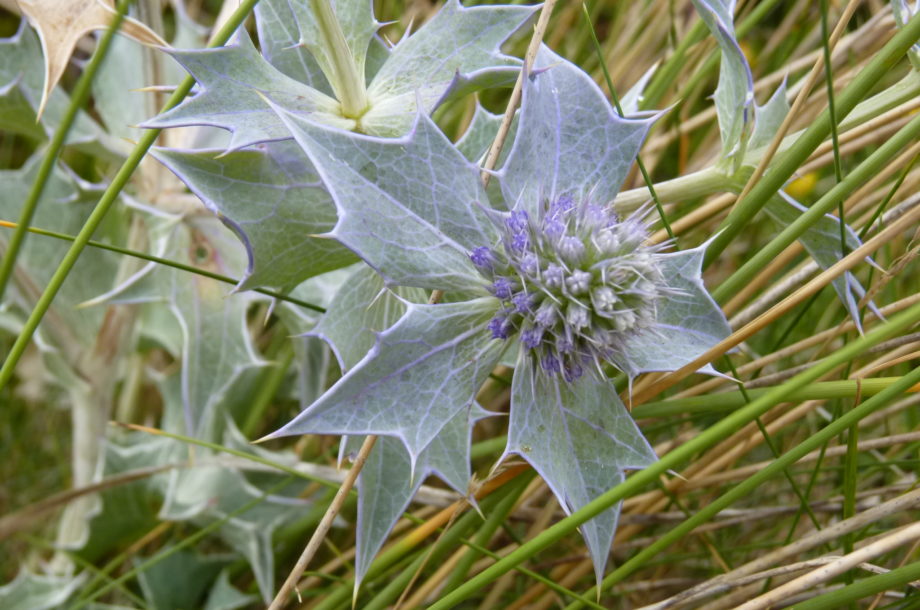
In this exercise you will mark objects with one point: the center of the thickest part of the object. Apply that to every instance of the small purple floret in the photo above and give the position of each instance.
(503, 288)
(500, 326)
(483, 258)
(572, 371)
(550, 363)
(532, 337)
(522, 302)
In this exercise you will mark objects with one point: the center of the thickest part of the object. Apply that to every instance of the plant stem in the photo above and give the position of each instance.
(49, 160)
(319, 534)
(105, 202)
(348, 83)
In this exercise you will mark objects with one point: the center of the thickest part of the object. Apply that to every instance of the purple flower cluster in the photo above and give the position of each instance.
(574, 283)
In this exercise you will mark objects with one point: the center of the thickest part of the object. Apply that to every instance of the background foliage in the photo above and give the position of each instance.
(778, 475)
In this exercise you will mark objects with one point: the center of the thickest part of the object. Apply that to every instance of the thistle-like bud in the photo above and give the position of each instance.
(574, 283)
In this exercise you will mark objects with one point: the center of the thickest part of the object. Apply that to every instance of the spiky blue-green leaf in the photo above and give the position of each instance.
(458, 51)
(356, 18)
(410, 207)
(232, 79)
(422, 372)
(362, 308)
(278, 32)
(734, 95)
(37, 591)
(581, 439)
(271, 198)
(822, 242)
(570, 141)
(688, 322)
(216, 348)
(389, 480)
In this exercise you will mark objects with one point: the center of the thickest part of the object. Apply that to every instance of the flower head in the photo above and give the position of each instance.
(574, 283)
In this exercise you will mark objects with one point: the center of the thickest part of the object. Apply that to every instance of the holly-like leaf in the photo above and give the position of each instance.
(822, 242)
(389, 480)
(407, 206)
(61, 24)
(422, 372)
(356, 18)
(362, 308)
(734, 95)
(278, 32)
(272, 199)
(64, 206)
(216, 350)
(580, 438)
(570, 141)
(688, 321)
(455, 53)
(769, 118)
(118, 97)
(233, 79)
(179, 580)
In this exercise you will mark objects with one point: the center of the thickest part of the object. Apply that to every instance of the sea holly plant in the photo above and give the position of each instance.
(746, 126)
(548, 266)
(325, 62)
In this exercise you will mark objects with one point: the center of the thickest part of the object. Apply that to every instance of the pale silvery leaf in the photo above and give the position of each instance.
(65, 204)
(407, 206)
(817, 239)
(356, 18)
(278, 33)
(128, 68)
(478, 137)
(580, 438)
(769, 118)
(224, 596)
(632, 98)
(271, 198)
(458, 51)
(389, 480)
(734, 95)
(570, 141)
(223, 102)
(38, 592)
(180, 579)
(423, 370)
(822, 242)
(688, 322)
(216, 350)
(362, 308)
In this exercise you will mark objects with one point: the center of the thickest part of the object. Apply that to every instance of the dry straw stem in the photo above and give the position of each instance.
(798, 297)
(906, 502)
(319, 534)
(33, 514)
(886, 543)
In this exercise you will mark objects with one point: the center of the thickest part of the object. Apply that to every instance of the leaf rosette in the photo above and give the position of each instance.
(548, 266)
(322, 61)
